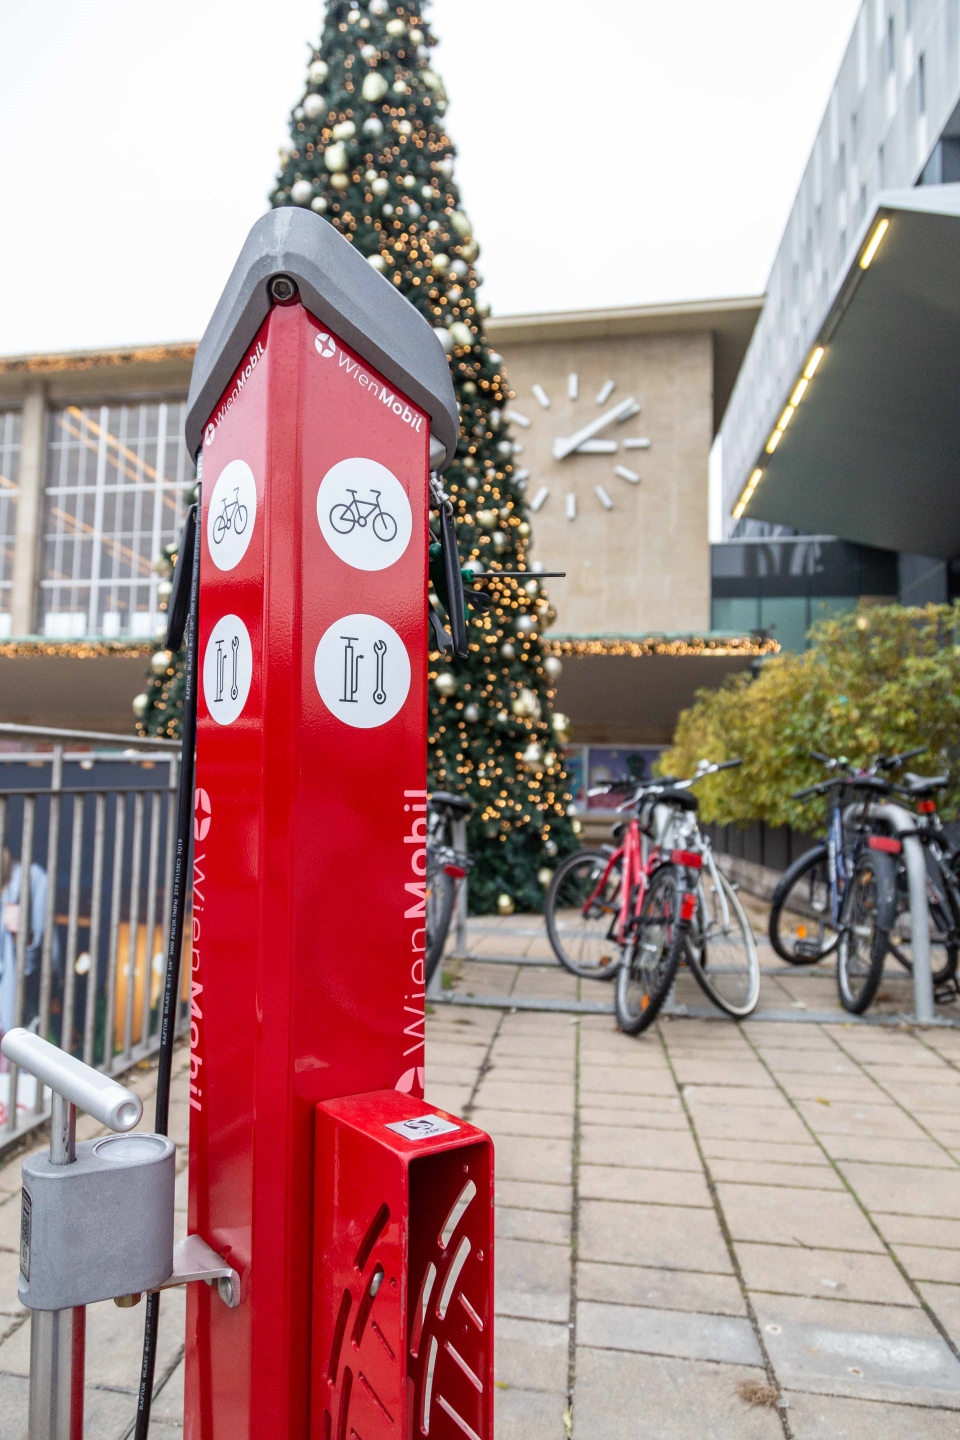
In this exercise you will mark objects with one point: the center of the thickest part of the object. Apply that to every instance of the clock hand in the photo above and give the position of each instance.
(563, 448)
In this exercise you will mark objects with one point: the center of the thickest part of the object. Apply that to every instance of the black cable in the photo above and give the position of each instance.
(183, 617)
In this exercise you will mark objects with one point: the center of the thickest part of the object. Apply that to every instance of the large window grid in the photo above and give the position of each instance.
(9, 491)
(118, 480)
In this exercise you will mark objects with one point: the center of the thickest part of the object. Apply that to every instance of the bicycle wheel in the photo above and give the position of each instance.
(441, 892)
(581, 911)
(646, 974)
(865, 921)
(343, 518)
(943, 926)
(384, 526)
(240, 519)
(721, 950)
(801, 923)
(219, 529)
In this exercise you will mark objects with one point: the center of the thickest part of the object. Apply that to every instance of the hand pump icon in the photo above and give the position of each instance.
(356, 1217)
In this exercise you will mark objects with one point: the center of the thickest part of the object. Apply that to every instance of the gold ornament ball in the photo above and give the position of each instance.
(533, 755)
(440, 263)
(553, 667)
(544, 876)
(505, 905)
(378, 262)
(374, 87)
(445, 683)
(523, 529)
(576, 827)
(339, 180)
(319, 205)
(502, 717)
(462, 334)
(486, 519)
(318, 73)
(561, 727)
(345, 130)
(335, 157)
(380, 186)
(160, 662)
(396, 27)
(140, 703)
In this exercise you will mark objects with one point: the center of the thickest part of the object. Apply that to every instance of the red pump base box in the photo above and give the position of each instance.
(402, 1266)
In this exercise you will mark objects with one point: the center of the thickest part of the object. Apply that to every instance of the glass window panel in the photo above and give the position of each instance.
(117, 483)
(739, 614)
(10, 429)
(787, 618)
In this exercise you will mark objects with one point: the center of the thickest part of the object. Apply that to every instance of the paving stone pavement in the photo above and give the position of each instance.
(711, 1232)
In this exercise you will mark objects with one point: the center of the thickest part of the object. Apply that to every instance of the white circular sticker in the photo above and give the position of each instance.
(364, 514)
(227, 669)
(231, 515)
(362, 671)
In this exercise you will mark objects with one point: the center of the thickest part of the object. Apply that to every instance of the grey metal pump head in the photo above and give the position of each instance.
(342, 290)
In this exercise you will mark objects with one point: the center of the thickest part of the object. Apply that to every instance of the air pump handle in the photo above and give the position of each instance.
(109, 1103)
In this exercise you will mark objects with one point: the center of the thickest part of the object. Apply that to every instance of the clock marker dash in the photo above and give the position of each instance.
(629, 411)
(604, 498)
(539, 498)
(541, 396)
(520, 475)
(636, 443)
(573, 386)
(571, 507)
(605, 391)
(626, 474)
(519, 419)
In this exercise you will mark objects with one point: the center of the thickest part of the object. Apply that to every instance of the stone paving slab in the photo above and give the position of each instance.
(709, 1232)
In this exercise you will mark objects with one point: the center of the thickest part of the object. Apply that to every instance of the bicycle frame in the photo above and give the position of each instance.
(636, 871)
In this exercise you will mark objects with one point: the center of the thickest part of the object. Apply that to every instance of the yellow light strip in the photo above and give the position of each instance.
(866, 259)
(813, 362)
(797, 395)
(786, 417)
(774, 441)
(747, 495)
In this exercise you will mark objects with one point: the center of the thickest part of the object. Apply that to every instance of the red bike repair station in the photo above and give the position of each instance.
(351, 1222)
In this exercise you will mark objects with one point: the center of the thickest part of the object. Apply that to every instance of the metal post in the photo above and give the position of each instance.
(57, 1337)
(460, 930)
(905, 825)
(50, 914)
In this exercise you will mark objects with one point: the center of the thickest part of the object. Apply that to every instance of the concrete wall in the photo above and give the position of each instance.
(644, 565)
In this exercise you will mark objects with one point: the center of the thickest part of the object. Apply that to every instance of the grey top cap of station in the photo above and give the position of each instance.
(342, 290)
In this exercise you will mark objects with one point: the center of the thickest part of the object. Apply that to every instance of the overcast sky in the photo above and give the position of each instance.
(612, 152)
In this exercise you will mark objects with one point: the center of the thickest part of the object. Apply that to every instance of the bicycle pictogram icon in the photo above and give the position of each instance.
(345, 518)
(233, 516)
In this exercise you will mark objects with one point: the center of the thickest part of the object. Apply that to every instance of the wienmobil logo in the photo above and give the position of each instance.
(375, 387)
(255, 355)
(325, 344)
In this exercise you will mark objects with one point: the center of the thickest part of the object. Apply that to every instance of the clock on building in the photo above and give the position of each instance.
(578, 429)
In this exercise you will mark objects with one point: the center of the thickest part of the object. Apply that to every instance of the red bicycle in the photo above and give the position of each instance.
(637, 911)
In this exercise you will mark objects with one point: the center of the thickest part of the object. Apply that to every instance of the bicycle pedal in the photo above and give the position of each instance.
(808, 949)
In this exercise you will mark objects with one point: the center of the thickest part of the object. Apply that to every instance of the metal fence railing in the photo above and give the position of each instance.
(91, 819)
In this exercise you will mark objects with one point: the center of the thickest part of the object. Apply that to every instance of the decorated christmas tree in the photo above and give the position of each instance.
(368, 152)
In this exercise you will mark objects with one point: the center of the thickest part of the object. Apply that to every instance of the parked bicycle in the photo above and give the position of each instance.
(446, 870)
(845, 894)
(657, 900)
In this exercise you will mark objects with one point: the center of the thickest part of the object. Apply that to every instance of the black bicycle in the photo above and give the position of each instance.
(446, 869)
(805, 911)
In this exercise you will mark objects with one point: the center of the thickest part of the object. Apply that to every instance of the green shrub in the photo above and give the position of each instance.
(880, 680)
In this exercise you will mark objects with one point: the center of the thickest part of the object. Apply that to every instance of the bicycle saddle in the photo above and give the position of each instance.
(679, 799)
(926, 784)
(455, 805)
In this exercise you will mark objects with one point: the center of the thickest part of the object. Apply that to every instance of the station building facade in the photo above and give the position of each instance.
(95, 479)
(836, 457)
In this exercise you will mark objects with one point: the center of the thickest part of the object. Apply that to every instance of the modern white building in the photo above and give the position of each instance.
(843, 421)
